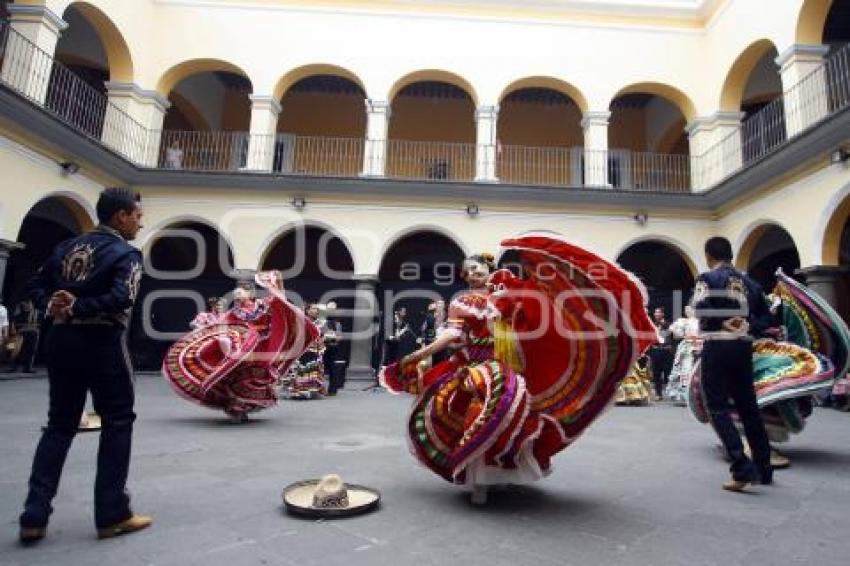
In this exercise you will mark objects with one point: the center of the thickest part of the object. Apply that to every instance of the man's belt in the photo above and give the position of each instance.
(725, 335)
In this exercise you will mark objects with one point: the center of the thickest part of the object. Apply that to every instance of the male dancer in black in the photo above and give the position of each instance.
(732, 311)
(88, 286)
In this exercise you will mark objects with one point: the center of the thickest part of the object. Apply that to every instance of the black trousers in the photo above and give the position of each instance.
(29, 345)
(662, 362)
(82, 359)
(727, 374)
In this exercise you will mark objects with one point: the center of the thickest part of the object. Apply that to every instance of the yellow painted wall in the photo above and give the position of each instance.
(418, 118)
(323, 114)
(627, 129)
(529, 124)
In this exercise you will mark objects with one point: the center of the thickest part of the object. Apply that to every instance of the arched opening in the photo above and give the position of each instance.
(768, 248)
(647, 137)
(317, 266)
(322, 127)
(92, 52)
(835, 248)
(206, 126)
(811, 21)
(753, 87)
(666, 272)
(836, 28)
(49, 222)
(188, 262)
(540, 136)
(417, 269)
(432, 129)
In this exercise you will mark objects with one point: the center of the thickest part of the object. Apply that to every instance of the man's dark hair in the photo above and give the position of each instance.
(114, 199)
(719, 248)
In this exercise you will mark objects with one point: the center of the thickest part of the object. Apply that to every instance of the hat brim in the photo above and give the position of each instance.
(93, 423)
(298, 500)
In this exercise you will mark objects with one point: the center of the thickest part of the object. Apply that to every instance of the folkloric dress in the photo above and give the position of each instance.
(235, 364)
(683, 362)
(635, 389)
(534, 363)
(305, 378)
(787, 373)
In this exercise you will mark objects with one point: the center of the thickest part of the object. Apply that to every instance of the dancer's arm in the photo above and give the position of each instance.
(438, 345)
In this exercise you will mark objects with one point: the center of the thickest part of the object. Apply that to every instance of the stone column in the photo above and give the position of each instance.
(264, 114)
(486, 119)
(363, 328)
(595, 126)
(715, 147)
(133, 122)
(804, 85)
(6, 248)
(28, 58)
(832, 283)
(377, 125)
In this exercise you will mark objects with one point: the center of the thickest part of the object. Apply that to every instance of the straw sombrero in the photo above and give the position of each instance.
(90, 423)
(329, 497)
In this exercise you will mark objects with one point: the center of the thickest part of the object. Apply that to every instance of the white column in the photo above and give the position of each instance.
(486, 119)
(715, 148)
(133, 122)
(264, 113)
(28, 59)
(804, 85)
(377, 124)
(595, 126)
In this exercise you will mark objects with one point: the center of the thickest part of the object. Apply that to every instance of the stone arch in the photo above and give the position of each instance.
(732, 93)
(687, 254)
(154, 233)
(766, 242)
(186, 69)
(667, 271)
(811, 21)
(299, 73)
(409, 231)
(438, 75)
(552, 83)
(270, 241)
(830, 229)
(117, 51)
(681, 100)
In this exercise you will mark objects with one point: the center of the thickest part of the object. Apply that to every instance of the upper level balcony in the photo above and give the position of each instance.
(321, 124)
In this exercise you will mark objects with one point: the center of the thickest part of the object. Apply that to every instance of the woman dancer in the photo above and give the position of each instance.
(685, 329)
(529, 370)
(235, 363)
(305, 378)
(635, 387)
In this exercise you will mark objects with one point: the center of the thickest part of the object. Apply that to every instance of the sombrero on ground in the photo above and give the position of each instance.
(329, 497)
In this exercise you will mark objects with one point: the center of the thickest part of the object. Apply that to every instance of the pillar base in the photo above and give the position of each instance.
(831, 282)
(358, 376)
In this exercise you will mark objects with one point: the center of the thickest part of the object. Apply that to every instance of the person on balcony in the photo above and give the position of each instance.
(174, 156)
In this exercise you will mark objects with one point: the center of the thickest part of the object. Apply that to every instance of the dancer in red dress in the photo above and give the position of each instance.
(535, 361)
(235, 363)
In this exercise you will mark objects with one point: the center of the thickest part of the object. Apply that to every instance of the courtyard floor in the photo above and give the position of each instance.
(641, 487)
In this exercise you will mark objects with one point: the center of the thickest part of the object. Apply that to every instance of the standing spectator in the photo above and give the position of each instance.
(435, 320)
(88, 287)
(661, 354)
(4, 324)
(332, 335)
(174, 156)
(27, 321)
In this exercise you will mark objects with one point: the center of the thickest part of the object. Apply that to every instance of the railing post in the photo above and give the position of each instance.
(715, 147)
(486, 119)
(28, 60)
(264, 114)
(133, 122)
(377, 124)
(595, 126)
(804, 85)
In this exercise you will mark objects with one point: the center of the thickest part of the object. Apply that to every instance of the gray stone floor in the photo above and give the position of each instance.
(641, 487)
